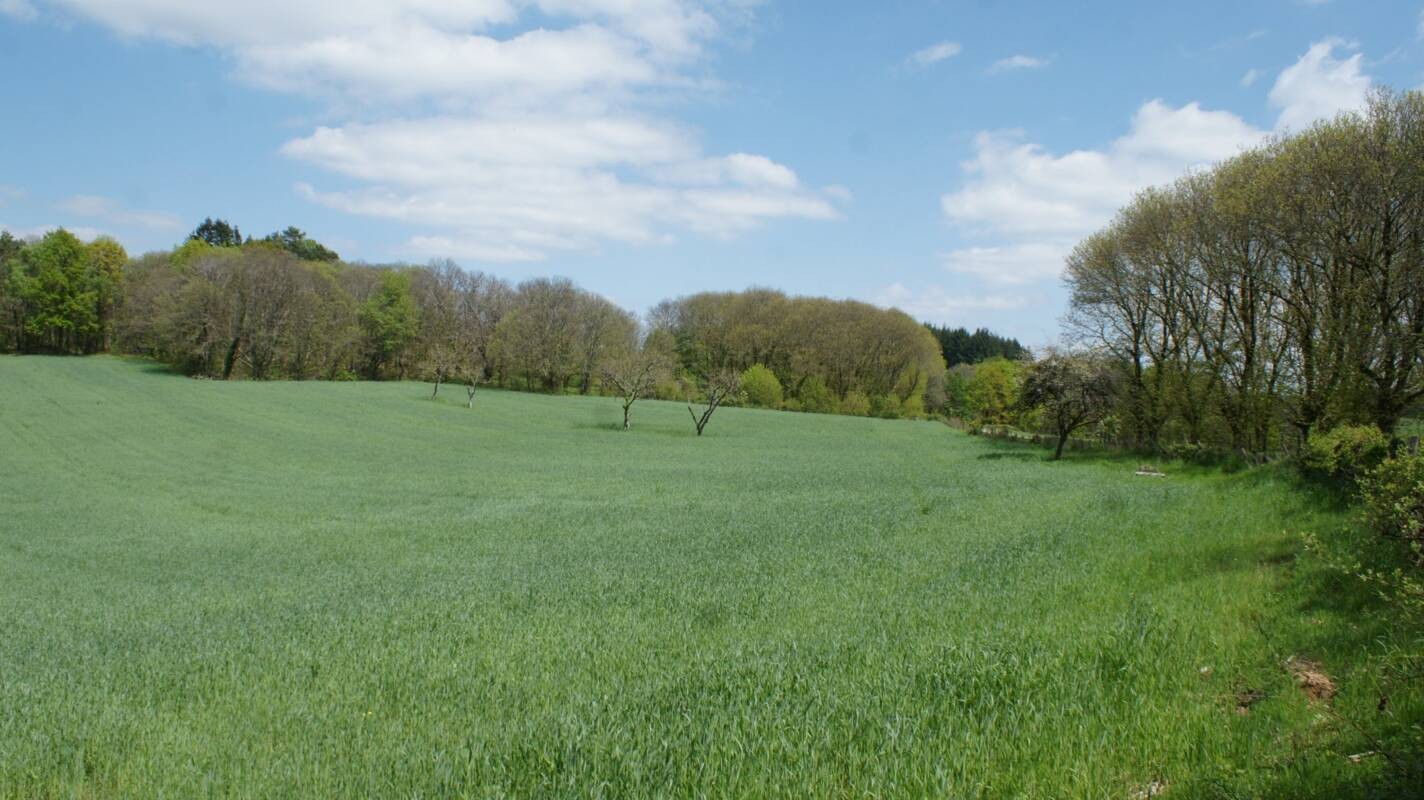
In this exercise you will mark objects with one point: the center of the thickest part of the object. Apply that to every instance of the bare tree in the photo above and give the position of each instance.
(720, 385)
(637, 369)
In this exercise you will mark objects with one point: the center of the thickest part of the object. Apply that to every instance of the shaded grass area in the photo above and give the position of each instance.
(251, 589)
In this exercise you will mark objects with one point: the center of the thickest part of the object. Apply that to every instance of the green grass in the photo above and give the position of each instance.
(345, 590)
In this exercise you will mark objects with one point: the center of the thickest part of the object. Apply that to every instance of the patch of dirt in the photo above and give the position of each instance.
(1245, 698)
(1311, 679)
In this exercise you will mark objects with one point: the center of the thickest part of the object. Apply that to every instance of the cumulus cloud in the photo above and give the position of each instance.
(1017, 62)
(512, 189)
(115, 214)
(933, 54)
(1032, 204)
(1018, 187)
(499, 130)
(1318, 86)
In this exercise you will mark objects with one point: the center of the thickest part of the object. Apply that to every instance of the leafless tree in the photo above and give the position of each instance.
(718, 386)
(637, 369)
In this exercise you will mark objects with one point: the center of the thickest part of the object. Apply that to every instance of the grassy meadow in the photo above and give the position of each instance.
(341, 590)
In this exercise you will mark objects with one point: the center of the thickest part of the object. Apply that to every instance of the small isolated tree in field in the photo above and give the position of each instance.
(719, 385)
(1073, 390)
(636, 370)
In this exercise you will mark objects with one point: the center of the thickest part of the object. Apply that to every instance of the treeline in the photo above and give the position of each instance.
(962, 347)
(1278, 294)
(284, 307)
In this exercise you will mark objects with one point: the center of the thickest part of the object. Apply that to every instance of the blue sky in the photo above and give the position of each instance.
(937, 156)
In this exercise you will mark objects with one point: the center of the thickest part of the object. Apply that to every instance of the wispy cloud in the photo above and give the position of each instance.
(1249, 79)
(936, 303)
(18, 9)
(110, 211)
(32, 232)
(934, 54)
(1017, 62)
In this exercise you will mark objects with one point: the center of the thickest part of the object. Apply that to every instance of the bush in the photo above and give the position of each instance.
(856, 404)
(761, 387)
(1393, 494)
(1191, 453)
(815, 397)
(1345, 454)
(885, 406)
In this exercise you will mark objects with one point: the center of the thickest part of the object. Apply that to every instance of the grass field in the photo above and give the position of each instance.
(345, 590)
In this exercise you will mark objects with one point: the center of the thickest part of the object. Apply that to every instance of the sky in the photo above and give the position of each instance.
(940, 157)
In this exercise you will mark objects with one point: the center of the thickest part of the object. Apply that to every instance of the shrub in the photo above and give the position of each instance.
(856, 404)
(815, 397)
(761, 387)
(885, 406)
(791, 404)
(1345, 454)
(1393, 494)
(1191, 453)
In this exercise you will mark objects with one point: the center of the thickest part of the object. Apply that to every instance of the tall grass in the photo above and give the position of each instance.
(340, 590)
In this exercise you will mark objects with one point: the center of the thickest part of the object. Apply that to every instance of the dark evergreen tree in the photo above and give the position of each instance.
(217, 232)
(962, 347)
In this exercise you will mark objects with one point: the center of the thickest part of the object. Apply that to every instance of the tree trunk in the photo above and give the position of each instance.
(231, 358)
(626, 406)
(438, 378)
(1062, 440)
(470, 390)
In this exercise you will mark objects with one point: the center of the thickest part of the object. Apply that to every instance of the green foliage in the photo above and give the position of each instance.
(962, 347)
(761, 387)
(294, 240)
(1345, 454)
(389, 320)
(1393, 495)
(885, 406)
(218, 590)
(815, 397)
(956, 392)
(855, 404)
(217, 233)
(992, 394)
(60, 293)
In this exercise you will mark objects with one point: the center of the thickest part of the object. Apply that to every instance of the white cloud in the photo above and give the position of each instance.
(1021, 189)
(935, 304)
(1017, 62)
(1318, 86)
(1249, 79)
(499, 129)
(511, 189)
(9, 194)
(21, 10)
(933, 54)
(1012, 264)
(1032, 204)
(115, 214)
(34, 232)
